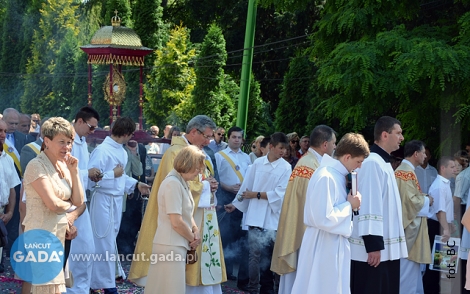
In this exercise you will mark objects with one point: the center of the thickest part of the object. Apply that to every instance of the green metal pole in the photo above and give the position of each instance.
(246, 66)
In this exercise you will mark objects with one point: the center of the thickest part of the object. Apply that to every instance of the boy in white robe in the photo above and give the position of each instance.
(106, 202)
(324, 260)
(265, 184)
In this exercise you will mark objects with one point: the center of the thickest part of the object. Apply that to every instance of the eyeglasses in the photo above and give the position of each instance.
(36, 120)
(253, 146)
(205, 136)
(220, 134)
(92, 128)
(294, 141)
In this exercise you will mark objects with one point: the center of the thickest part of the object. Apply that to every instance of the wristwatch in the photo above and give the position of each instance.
(258, 195)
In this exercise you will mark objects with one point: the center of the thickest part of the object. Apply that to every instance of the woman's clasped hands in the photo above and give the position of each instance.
(197, 240)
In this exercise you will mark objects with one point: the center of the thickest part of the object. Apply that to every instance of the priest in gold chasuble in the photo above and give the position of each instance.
(415, 207)
(291, 222)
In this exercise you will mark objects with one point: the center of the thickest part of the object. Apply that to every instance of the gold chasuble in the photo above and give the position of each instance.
(291, 222)
(412, 201)
(139, 269)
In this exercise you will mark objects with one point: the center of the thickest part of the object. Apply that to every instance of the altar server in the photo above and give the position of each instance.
(324, 260)
(106, 203)
(263, 190)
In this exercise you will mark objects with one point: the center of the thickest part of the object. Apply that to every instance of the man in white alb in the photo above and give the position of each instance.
(86, 122)
(378, 238)
(106, 203)
(232, 164)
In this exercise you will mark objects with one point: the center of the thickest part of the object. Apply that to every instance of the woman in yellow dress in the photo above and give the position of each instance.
(52, 186)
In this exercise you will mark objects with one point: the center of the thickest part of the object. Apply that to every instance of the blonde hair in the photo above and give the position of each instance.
(353, 144)
(259, 139)
(55, 126)
(292, 136)
(189, 159)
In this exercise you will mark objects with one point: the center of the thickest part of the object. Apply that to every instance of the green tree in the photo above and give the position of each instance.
(58, 20)
(11, 36)
(89, 23)
(61, 96)
(278, 35)
(171, 81)
(397, 58)
(148, 25)
(259, 120)
(209, 95)
(295, 97)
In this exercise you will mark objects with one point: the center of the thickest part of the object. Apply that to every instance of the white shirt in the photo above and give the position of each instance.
(8, 177)
(80, 151)
(425, 177)
(226, 173)
(272, 178)
(440, 191)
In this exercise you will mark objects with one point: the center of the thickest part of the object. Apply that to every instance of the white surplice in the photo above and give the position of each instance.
(106, 207)
(324, 260)
(83, 243)
(380, 213)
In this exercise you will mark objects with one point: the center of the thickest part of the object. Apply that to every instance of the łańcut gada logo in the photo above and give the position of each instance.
(37, 256)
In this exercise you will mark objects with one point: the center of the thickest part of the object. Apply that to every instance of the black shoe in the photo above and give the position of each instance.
(231, 278)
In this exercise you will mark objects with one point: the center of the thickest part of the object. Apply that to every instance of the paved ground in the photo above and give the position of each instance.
(8, 284)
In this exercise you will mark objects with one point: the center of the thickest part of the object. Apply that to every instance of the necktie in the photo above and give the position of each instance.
(10, 137)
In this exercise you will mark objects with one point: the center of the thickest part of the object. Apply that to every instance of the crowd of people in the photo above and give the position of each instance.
(299, 214)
